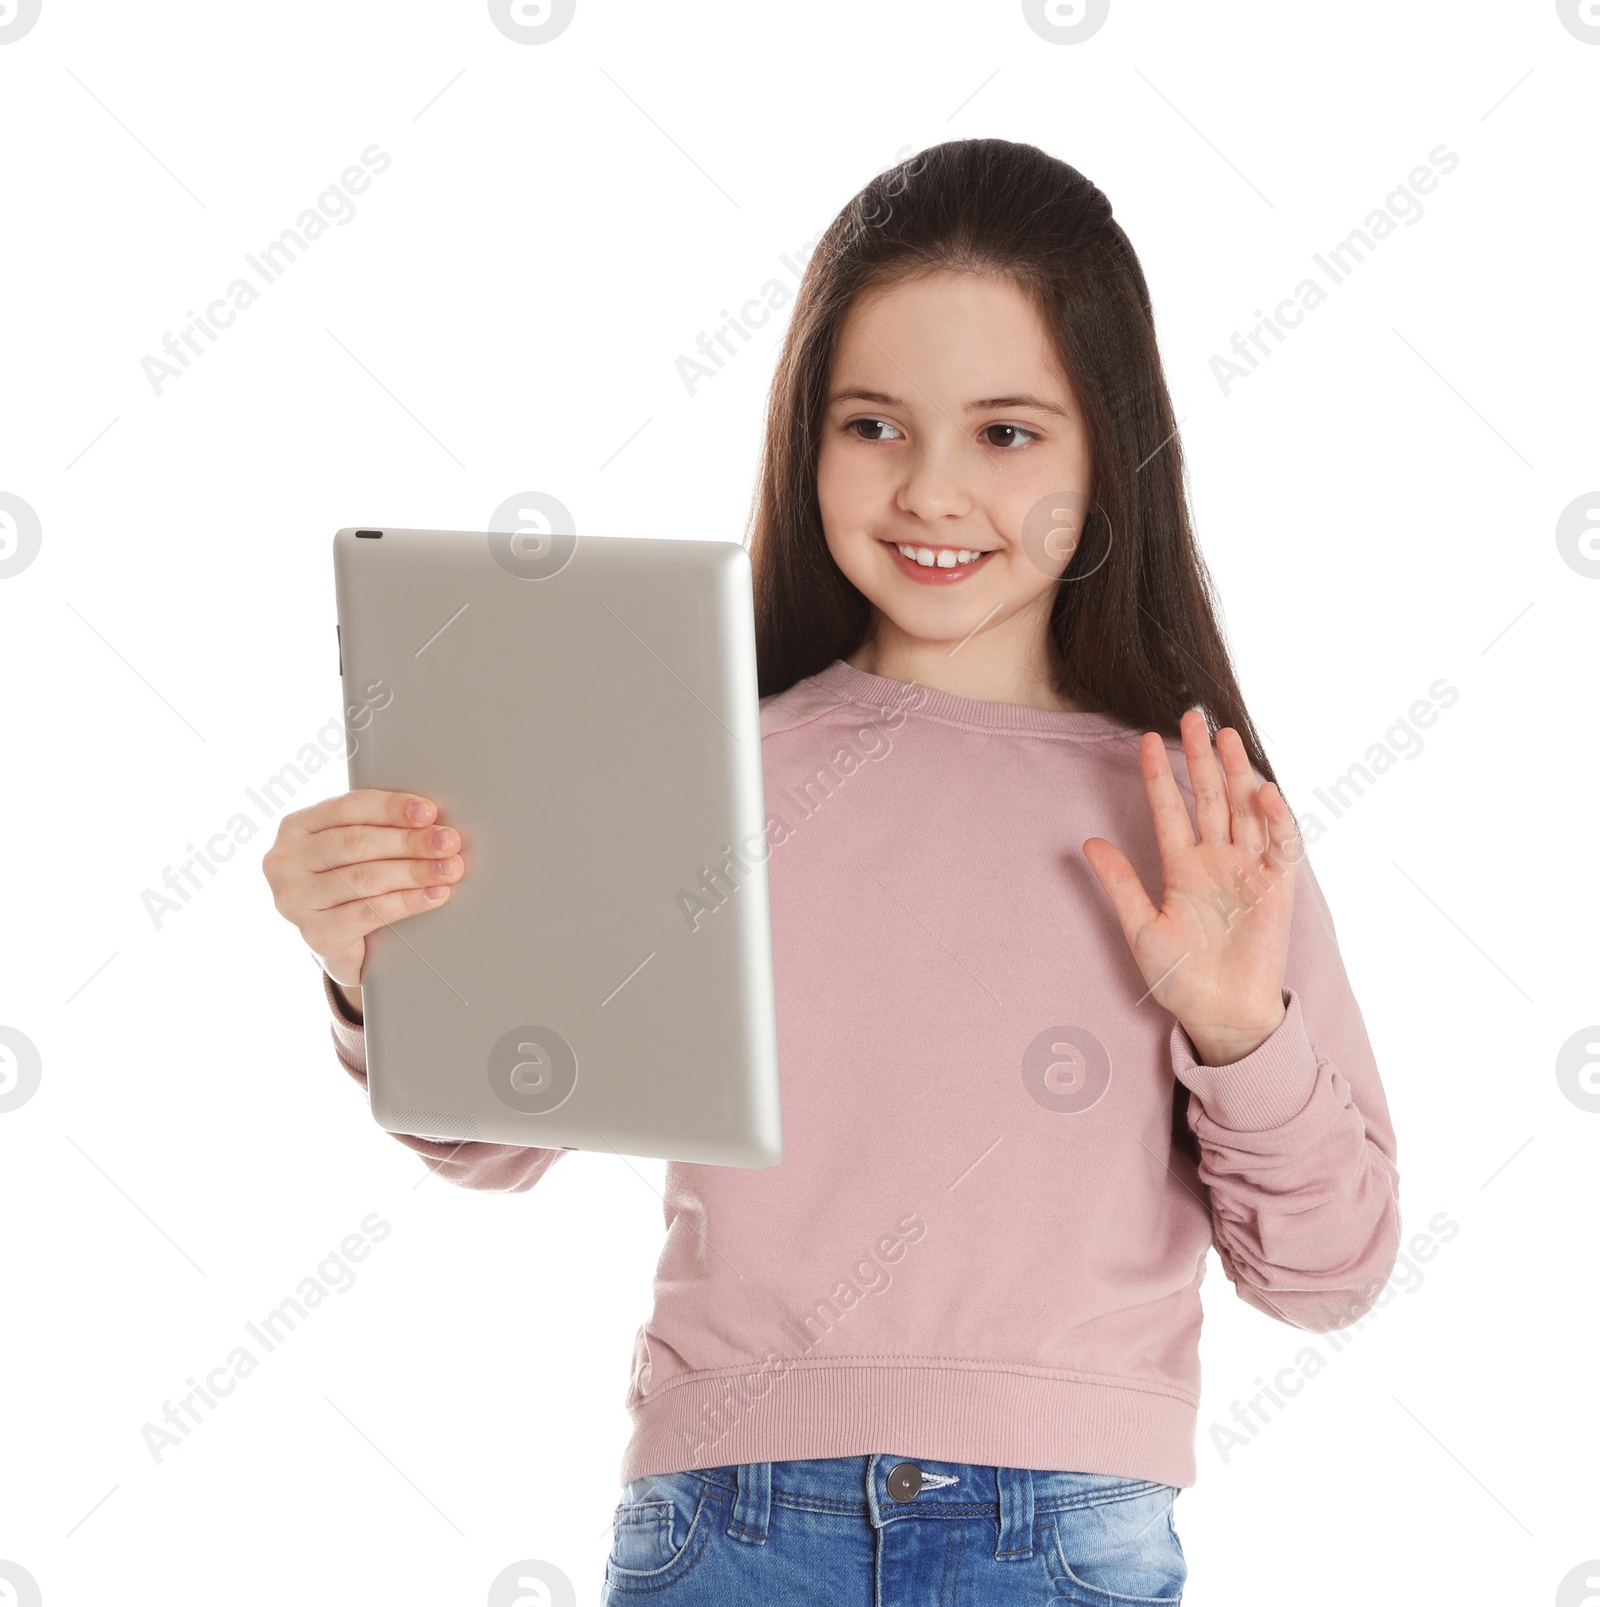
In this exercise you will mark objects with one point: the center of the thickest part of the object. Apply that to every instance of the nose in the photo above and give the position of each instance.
(938, 478)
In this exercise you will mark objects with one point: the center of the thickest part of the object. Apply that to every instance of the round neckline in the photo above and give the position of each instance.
(980, 714)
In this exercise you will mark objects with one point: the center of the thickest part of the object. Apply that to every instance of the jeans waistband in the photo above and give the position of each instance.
(863, 1486)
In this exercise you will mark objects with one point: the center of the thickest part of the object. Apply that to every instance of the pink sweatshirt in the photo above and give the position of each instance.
(1001, 1171)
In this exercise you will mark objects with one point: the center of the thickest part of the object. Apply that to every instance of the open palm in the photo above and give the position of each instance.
(1213, 953)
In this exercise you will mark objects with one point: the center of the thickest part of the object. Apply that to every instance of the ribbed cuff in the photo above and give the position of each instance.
(1269, 1087)
(349, 1035)
(336, 1001)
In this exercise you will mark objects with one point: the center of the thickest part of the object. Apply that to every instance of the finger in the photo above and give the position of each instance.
(1205, 779)
(346, 924)
(1247, 822)
(364, 806)
(1284, 846)
(335, 846)
(374, 877)
(1121, 885)
(1167, 808)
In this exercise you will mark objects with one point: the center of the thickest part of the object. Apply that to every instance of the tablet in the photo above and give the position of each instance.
(584, 710)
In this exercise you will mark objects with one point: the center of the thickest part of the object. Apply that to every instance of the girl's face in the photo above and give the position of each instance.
(954, 469)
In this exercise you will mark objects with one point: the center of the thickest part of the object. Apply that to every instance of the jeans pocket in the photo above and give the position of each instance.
(1119, 1551)
(641, 1534)
(659, 1530)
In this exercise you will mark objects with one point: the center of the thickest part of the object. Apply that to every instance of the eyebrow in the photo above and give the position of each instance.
(983, 405)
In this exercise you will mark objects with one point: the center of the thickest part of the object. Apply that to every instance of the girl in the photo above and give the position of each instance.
(951, 1340)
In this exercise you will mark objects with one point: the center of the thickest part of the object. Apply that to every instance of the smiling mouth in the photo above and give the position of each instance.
(940, 557)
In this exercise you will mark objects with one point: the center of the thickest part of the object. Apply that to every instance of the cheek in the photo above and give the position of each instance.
(1027, 582)
(840, 480)
(1046, 527)
(848, 497)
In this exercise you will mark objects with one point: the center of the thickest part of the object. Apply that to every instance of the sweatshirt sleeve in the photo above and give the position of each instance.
(1296, 1146)
(495, 1168)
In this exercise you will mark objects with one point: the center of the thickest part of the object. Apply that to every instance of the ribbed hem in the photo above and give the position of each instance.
(977, 714)
(986, 1416)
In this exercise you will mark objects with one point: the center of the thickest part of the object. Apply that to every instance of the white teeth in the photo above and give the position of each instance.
(943, 558)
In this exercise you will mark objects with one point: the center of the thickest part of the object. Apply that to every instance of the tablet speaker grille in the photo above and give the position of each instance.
(435, 1124)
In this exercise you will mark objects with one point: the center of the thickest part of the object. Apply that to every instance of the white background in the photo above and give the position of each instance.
(1378, 504)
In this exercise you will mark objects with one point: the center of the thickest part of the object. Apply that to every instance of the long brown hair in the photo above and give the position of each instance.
(1133, 619)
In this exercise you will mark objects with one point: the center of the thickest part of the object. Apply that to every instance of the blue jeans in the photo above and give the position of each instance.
(886, 1531)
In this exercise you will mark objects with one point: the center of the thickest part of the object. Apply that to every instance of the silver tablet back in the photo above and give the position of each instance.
(584, 710)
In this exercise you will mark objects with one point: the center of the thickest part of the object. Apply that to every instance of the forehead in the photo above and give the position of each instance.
(948, 333)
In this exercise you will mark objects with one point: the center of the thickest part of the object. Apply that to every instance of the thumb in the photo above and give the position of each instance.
(1121, 885)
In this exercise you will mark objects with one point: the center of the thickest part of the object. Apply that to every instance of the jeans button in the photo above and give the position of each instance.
(905, 1479)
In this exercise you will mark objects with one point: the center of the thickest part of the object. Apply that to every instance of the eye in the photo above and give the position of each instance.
(1015, 429)
(855, 424)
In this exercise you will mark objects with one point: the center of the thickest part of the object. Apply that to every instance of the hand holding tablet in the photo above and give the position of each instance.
(342, 868)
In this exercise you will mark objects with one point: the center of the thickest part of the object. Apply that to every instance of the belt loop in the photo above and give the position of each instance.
(751, 1518)
(1016, 1514)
